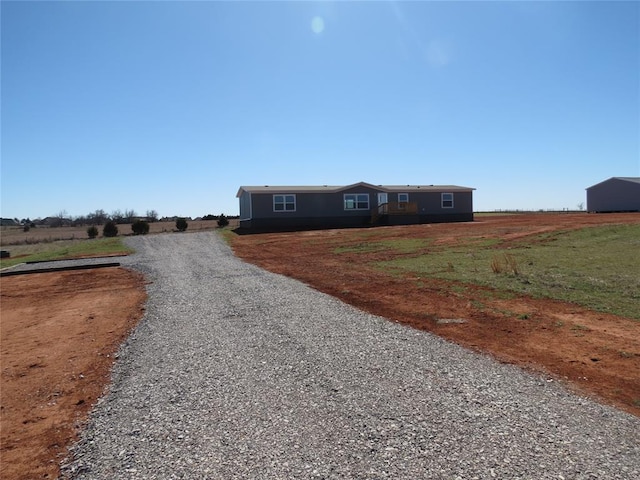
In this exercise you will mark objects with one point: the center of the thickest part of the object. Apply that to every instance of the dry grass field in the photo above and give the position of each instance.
(11, 236)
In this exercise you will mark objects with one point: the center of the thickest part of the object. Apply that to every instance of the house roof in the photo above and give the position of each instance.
(624, 179)
(335, 189)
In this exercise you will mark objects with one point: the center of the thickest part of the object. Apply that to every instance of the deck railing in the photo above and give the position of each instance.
(393, 208)
(397, 208)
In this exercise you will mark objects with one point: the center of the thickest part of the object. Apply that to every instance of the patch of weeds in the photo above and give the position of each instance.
(459, 288)
(505, 295)
(558, 323)
(496, 294)
(624, 354)
(505, 263)
(524, 316)
(512, 263)
(496, 264)
(580, 328)
(364, 247)
(477, 304)
(636, 402)
(407, 245)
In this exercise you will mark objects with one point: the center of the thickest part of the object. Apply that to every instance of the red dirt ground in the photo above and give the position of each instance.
(595, 353)
(59, 335)
(59, 331)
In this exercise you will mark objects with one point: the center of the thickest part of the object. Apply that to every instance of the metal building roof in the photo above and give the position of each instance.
(624, 179)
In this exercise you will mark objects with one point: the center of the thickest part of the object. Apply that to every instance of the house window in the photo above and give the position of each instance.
(403, 199)
(447, 200)
(356, 201)
(284, 203)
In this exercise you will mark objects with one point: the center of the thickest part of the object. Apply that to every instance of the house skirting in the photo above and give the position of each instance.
(302, 223)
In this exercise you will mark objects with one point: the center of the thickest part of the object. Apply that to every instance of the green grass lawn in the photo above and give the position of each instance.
(64, 249)
(597, 267)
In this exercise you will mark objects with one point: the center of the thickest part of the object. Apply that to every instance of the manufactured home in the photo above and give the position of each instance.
(617, 194)
(361, 204)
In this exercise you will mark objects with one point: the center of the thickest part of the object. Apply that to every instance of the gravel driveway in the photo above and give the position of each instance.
(235, 372)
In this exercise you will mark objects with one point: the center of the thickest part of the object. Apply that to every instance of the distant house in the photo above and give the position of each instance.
(618, 194)
(55, 222)
(360, 204)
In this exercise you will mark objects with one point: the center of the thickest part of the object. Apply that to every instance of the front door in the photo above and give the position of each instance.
(382, 202)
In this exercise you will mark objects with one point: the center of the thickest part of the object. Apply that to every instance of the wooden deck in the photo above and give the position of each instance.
(393, 208)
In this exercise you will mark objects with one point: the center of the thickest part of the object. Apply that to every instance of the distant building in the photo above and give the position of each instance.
(618, 194)
(8, 222)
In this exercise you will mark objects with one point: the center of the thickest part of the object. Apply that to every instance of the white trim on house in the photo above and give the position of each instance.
(250, 208)
(356, 201)
(284, 202)
(444, 202)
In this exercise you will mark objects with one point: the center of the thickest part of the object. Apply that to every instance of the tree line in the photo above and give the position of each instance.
(100, 217)
(141, 227)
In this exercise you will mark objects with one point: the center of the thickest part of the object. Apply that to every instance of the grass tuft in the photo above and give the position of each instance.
(504, 263)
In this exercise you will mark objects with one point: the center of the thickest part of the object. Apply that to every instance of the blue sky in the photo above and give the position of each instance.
(171, 106)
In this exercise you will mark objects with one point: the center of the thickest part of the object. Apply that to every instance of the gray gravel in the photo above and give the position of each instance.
(235, 372)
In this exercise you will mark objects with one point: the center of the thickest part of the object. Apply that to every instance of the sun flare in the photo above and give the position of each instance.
(317, 24)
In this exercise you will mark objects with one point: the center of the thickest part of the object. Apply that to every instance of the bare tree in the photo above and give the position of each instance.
(99, 217)
(129, 215)
(80, 220)
(152, 215)
(117, 216)
(59, 218)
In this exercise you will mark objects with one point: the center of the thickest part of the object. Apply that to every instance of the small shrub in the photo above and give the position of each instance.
(223, 221)
(181, 224)
(110, 229)
(26, 228)
(92, 231)
(140, 227)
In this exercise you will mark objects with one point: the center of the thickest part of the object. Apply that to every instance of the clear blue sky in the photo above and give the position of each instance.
(171, 106)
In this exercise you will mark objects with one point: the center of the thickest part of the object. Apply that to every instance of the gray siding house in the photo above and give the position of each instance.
(618, 194)
(360, 204)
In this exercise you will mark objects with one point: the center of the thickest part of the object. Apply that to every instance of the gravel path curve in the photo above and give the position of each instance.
(237, 373)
